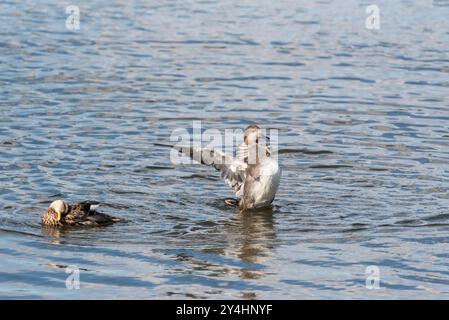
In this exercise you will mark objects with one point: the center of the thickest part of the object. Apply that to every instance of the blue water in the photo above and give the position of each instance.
(363, 119)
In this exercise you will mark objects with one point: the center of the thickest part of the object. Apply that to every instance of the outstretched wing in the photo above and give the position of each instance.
(232, 170)
(242, 152)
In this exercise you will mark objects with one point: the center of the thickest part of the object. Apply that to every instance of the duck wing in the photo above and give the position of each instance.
(97, 218)
(232, 170)
(77, 213)
(84, 213)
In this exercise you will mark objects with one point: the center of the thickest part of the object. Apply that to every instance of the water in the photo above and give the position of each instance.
(364, 133)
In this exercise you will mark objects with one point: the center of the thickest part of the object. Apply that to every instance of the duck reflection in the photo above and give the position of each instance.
(248, 239)
(54, 233)
(251, 237)
(50, 231)
(240, 246)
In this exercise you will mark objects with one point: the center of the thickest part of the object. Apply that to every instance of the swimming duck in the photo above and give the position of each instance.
(60, 213)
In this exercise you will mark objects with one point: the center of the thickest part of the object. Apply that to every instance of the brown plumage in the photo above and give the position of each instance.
(80, 214)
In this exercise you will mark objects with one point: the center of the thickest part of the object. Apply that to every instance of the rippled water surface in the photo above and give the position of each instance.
(363, 119)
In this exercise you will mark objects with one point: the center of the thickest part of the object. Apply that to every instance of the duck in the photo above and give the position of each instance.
(253, 174)
(85, 213)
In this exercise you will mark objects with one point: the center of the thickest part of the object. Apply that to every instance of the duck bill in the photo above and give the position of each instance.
(59, 216)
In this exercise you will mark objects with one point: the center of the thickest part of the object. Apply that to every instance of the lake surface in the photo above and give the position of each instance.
(363, 119)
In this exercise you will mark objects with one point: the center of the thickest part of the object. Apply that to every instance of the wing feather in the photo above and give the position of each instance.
(84, 213)
(77, 212)
(242, 152)
(232, 170)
